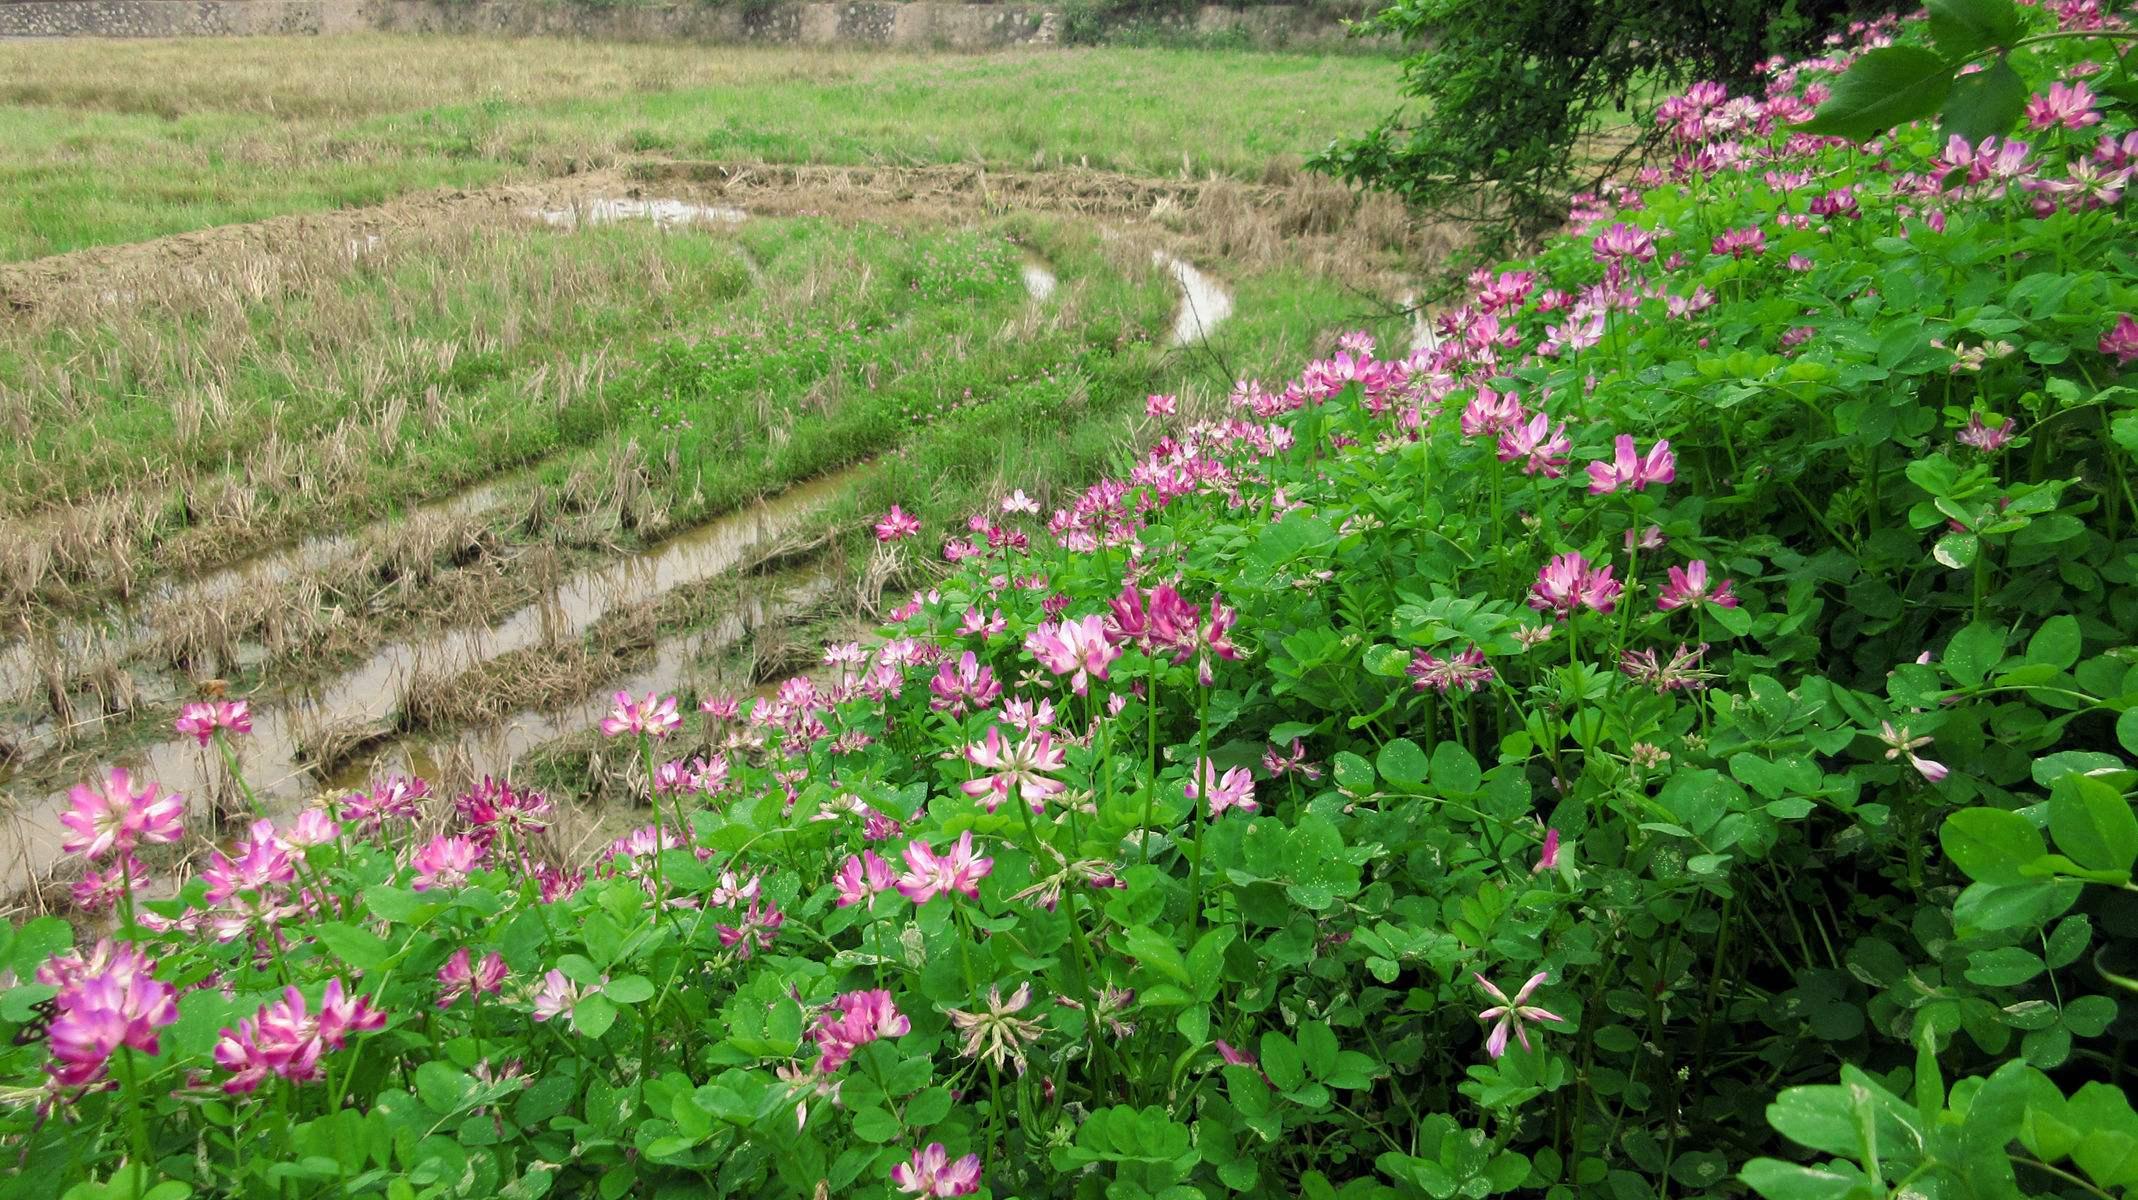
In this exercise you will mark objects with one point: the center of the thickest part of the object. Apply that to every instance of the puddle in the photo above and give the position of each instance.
(130, 628)
(665, 214)
(495, 748)
(1422, 337)
(1038, 280)
(1203, 304)
(370, 694)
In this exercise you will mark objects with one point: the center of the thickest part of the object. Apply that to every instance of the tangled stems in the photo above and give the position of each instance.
(1195, 815)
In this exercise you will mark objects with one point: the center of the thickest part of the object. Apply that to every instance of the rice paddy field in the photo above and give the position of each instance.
(424, 392)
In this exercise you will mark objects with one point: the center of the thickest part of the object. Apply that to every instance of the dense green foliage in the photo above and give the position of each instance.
(1546, 762)
(1506, 98)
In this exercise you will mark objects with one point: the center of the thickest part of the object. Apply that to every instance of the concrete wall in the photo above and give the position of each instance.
(916, 24)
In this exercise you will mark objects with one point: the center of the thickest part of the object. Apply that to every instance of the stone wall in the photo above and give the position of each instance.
(918, 24)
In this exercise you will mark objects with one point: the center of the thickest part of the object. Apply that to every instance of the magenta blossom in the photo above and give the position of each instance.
(1491, 413)
(1689, 587)
(1465, 671)
(932, 1173)
(1569, 583)
(446, 862)
(654, 715)
(1540, 452)
(1630, 469)
(114, 816)
(286, 1039)
(1281, 763)
(896, 525)
(2071, 106)
(1512, 1016)
(929, 874)
(96, 1015)
(864, 877)
(2121, 341)
(1982, 436)
(201, 720)
(852, 1021)
(459, 978)
(1548, 858)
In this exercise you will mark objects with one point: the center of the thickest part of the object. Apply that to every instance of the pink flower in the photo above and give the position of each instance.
(1900, 745)
(1540, 454)
(1512, 1016)
(1466, 671)
(1017, 502)
(2071, 106)
(864, 877)
(1980, 436)
(313, 827)
(896, 525)
(1490, 413)
(446, 863)
(1281, 763)
(1022, 769)
(122, 1006)
(1160, 406)
(1623, 241)
(723, 708)
(654, 715)
(1548, 860)
(201, 720)
(98, 891)
(928, 874)
(557, 997)
(852, 1021)
(760, 925)
(1738, 243)
(286, 1039)
(2121, 342)
(114, 816)
(1568, 583)
(1235, 790)
(1078, 648)
(1629, 468)
(457, 978)
(932, 1173)
(963, 687)
(1689, 586)
(1157, 622)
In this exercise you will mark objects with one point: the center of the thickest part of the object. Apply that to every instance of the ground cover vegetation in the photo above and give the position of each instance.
(1668, 733)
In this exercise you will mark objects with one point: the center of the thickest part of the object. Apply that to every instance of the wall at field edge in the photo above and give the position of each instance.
(915, 24)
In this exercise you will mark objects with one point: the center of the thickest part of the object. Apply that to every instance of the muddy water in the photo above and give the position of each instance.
(1203, 304)
(664, 213)
(274, 753)
(494, 748)
(1039, 282)
(128, 628)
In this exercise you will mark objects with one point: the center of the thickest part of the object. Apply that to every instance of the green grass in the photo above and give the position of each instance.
(131, 141)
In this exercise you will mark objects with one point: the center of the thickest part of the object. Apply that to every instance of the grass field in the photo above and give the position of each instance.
(103, 143)
(417, 461)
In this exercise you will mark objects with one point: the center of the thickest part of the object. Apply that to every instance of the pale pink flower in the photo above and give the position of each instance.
(1490, 413)
(1541, 453)
(2071, 106)
(852, 1021)
(1465, 671)
(445, 862)
(200, 720)
(97, 1014)
(1568, 583)
(1236, 789)
(1022, 768)
(1280, 763)
(1900, 745)
(1078, 648)
(1157, 406)
(557, 997)
(1512, 1016)
(932, 1173)
(1017, 502)
(997, 1033)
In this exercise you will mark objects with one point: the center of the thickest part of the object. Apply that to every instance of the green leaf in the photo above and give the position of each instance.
(2056, 642)
(1986, 103)
(2093, 824)
(629, 989)
(1157, 952)
(1991, 844)
(2006, 966)
(1887, 87)
(1974, 652)
(1965, 28)
(1778, 1180)
(1403, 764)
(593, 1016)
(357, 947)
(1455, 772)
(1282, 1061)
(2127, 730)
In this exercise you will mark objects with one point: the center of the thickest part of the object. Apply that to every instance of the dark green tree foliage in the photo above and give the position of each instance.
(1506, 94)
